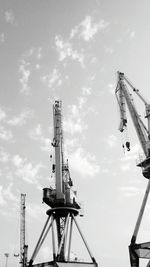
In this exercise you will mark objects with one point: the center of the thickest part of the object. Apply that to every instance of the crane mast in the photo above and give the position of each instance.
(142, 250)
(58, 144)
(63, 204)
(23, 246)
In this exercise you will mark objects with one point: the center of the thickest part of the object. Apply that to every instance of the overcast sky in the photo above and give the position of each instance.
(71, 50)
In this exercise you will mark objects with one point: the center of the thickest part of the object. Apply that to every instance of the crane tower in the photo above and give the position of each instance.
(124, 96)
(23, 246)
(63, 207)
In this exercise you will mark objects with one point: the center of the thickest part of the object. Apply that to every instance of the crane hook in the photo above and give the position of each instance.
(128, 146)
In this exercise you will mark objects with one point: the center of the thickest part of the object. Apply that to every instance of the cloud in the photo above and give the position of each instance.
(2, 114)
(132, 35)
(26, 170)
(84, 163)
(87, 29)
(65, 51)
(52, 78)
(111, 140)
(5, 135)
(74, 122)
(86, 91)
(25, 74)
(2, 38)
(108, 49)
(34, 211)
(132, 154)
(125, 167)
(21, 119)
(129, 191)
(111, 88)
(37, 134)
(33, 51)
(9, 16)
(4, 156)
(7, 196)
(2, 200)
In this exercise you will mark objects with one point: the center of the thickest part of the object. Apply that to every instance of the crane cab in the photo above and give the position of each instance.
(145, 165)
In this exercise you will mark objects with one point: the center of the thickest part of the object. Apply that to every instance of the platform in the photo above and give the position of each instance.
(66, 264)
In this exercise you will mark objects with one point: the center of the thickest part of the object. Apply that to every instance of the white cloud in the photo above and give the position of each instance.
(4, 156)
(86, 91)
(5, 134)
(111, 87)
(37, 134)
(36, 51)
(74, 122)
(132, 154)
(39, 53)
(25, 74)
(129, 191)
(2, 114)
(34, 211)
(7, 196)
(52, 78)
(2, 200)
(108, 49)
(21, 119)
(125, 167)
(2, 38)
(65, 50)
(9, 16)
(87, 29)
(111, 140)
(132, 35)
(83, 163)
(26, 170)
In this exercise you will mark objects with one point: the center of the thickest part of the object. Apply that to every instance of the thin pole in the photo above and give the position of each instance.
(93, 259)
(70, 238)
(6, 255)
(45, 235)
(148, 265)
(66, 237)
(53, 239)
(140, 216)
(34, 252)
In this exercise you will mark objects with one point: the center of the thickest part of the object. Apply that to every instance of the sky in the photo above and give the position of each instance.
(71, 51)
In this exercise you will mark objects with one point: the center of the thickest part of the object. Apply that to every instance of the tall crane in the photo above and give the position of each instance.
(23, 246)
(64, 206)
(124, 96)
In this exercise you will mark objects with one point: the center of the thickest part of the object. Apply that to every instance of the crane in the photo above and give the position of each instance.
(23, 246)
(63, 204)
(124, 96)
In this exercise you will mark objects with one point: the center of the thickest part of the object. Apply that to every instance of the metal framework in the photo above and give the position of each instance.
(61, 241)
(124, 97)
(63, 204)
(23, 246)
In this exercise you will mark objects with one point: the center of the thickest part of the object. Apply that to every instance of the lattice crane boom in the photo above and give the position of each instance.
(124, 97)
(143, 132)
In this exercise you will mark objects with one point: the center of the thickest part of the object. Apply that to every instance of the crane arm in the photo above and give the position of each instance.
(123, 97)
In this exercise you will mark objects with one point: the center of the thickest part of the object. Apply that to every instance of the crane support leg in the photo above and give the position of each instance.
(41, 240)
(92, 258)
(138, 223)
